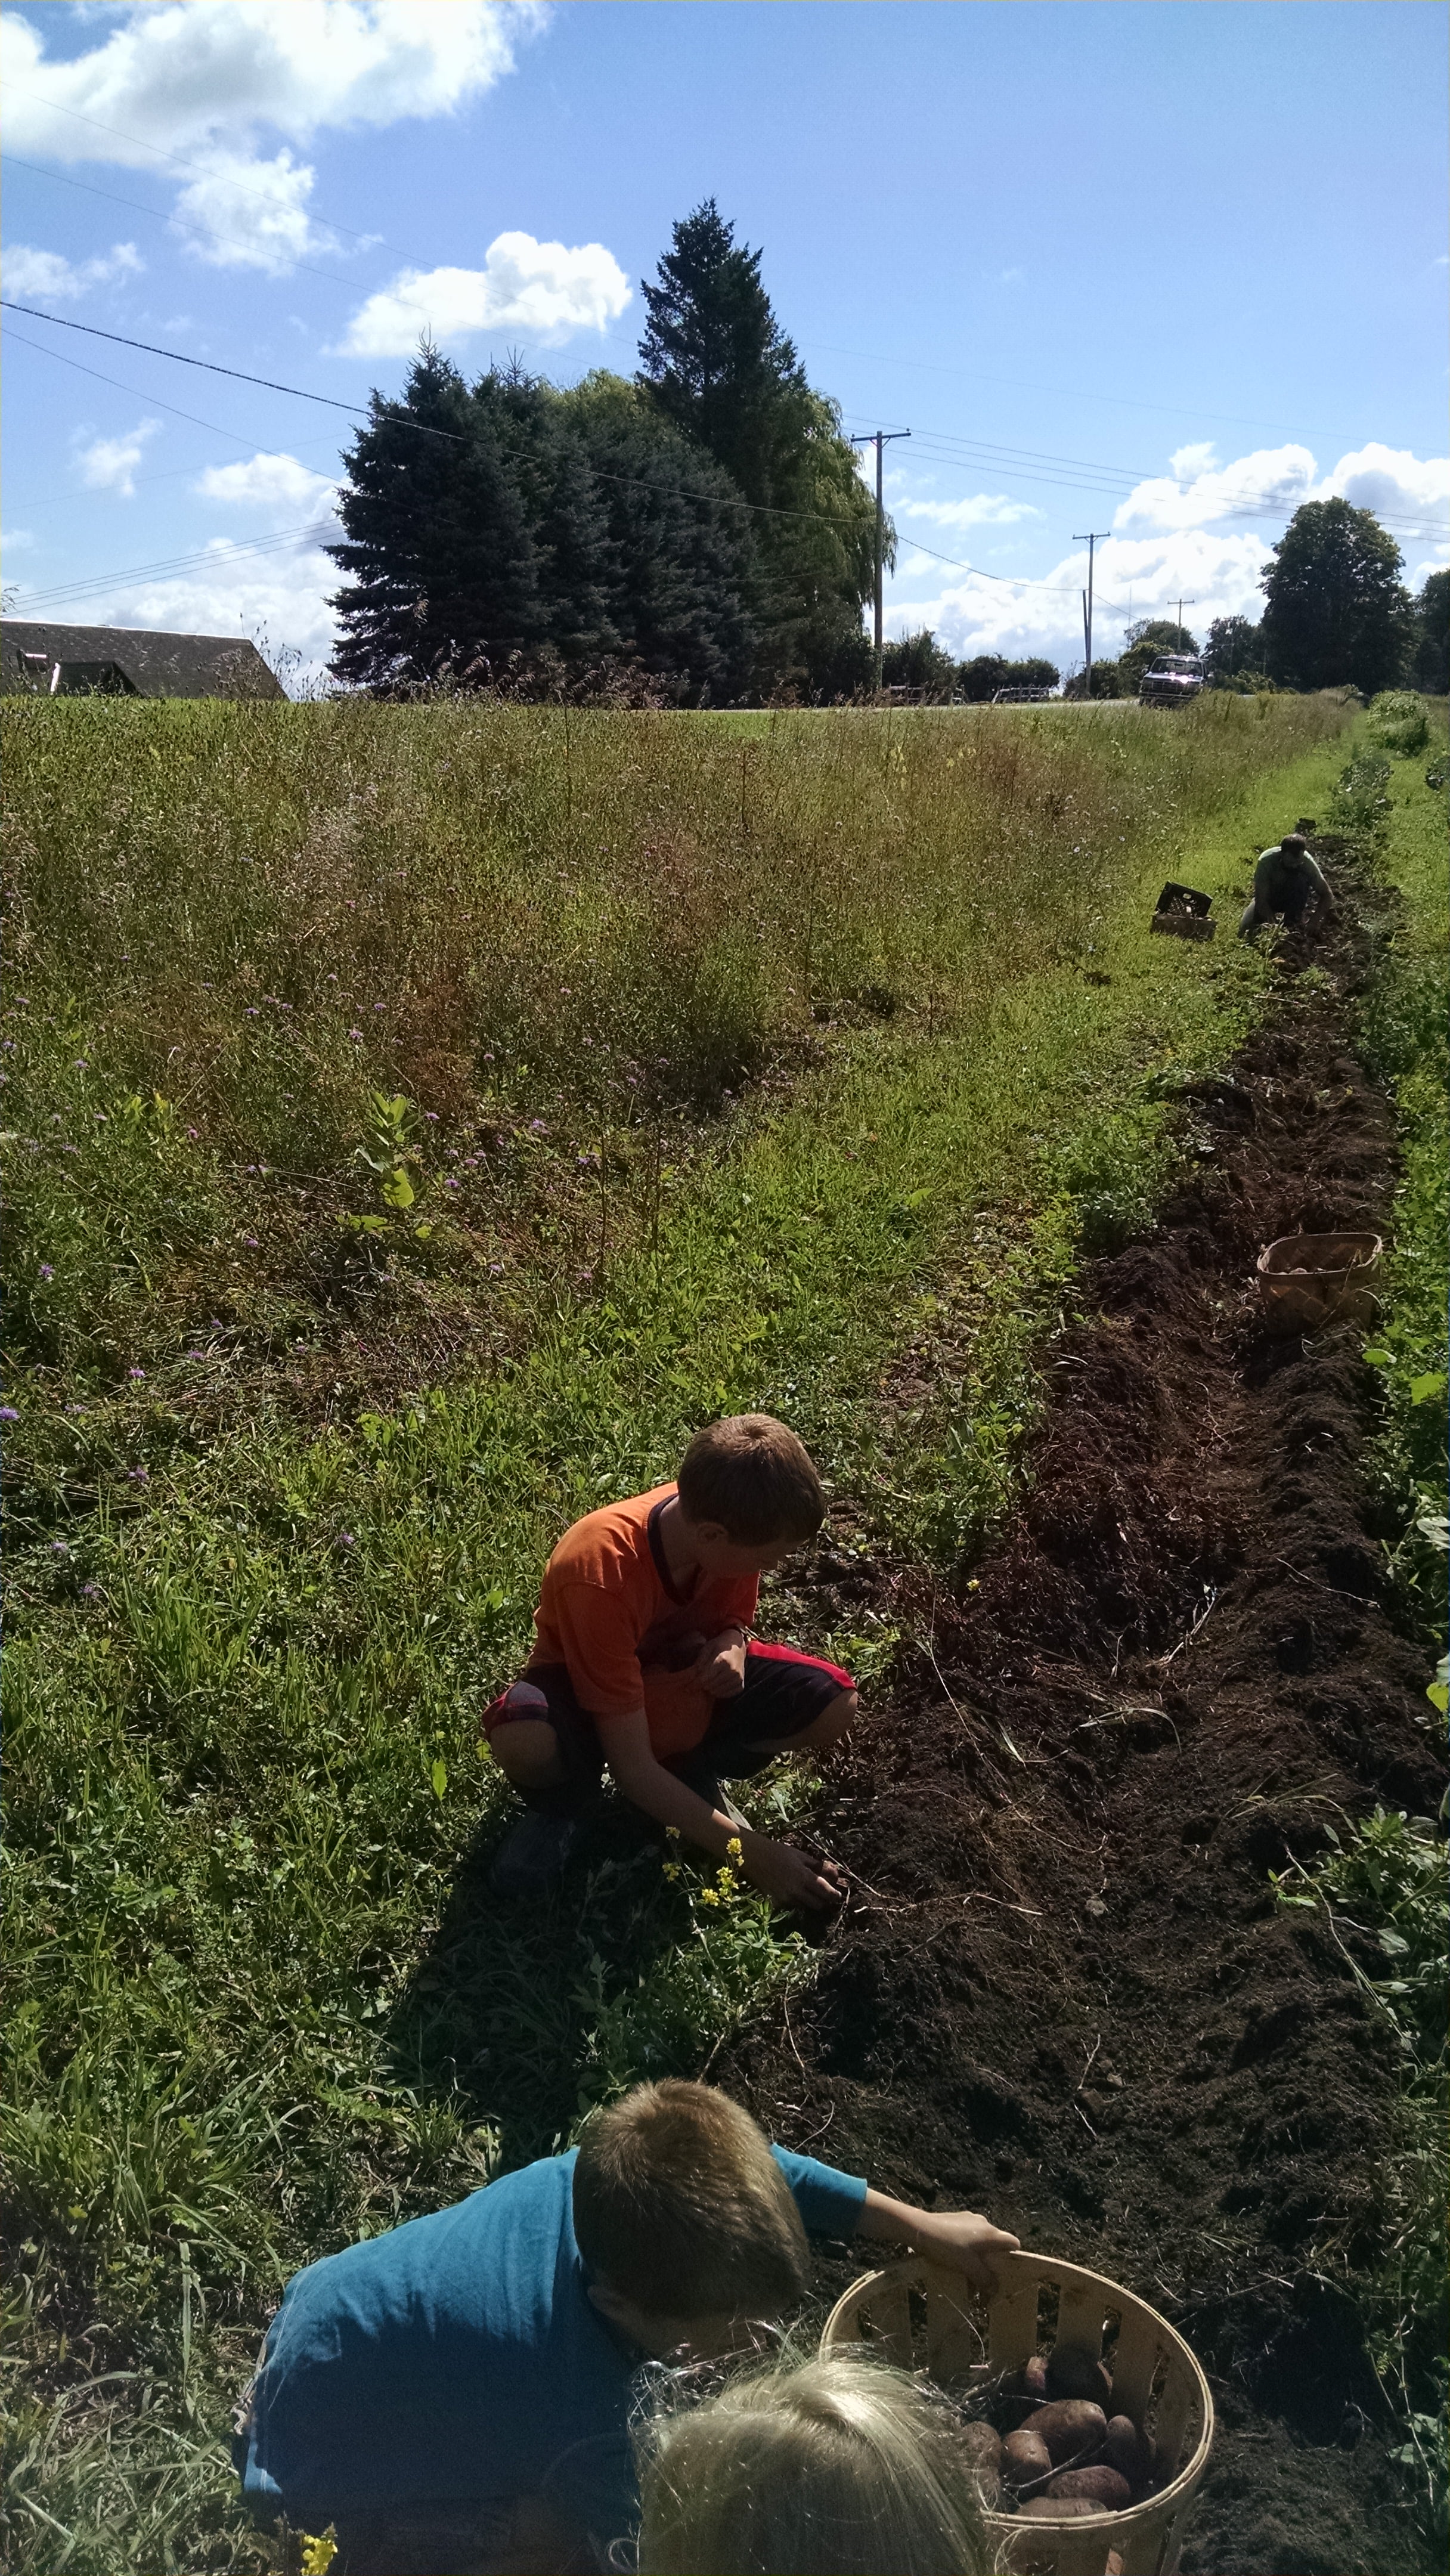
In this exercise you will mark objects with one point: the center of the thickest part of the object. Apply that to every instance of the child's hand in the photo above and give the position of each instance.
(792, 1878)
(721, 1668)
(963, 2240)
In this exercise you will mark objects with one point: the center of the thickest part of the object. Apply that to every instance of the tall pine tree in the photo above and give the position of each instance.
(717, 364)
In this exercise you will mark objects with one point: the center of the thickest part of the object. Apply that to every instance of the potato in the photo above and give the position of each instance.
(1034, 2379)
(1058, 2508)
(1070, 2427)
(1074, 2371)
(1129, 2451)
(983, 2447)
(1102, 2487)
(1025, 2456)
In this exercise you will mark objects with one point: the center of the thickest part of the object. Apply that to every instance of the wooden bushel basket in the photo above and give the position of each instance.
(1306, 1281)
(921, 2317)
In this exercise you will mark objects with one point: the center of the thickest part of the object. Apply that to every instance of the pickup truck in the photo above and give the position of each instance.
(1170, 680)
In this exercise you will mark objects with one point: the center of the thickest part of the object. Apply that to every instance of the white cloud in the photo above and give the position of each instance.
(1199, 492)
(200, 78)
(984, 509)
(538, 288)
(109, 464)
(247, 213)
(181, 73)
(13, 537)
(46, 272)
(274, 482)
(1398, 486)
(1186, 462)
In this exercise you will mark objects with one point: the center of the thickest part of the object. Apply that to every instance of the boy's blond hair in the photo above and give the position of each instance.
(752, 1475)
(832, 2467)
(680, 2206)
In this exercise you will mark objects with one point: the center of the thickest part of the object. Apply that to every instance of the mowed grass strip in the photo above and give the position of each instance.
(926, 1045)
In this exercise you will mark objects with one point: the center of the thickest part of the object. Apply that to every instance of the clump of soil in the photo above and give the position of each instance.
(1063, 1991)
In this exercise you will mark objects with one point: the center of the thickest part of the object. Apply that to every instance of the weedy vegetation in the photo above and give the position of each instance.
(419, 1119)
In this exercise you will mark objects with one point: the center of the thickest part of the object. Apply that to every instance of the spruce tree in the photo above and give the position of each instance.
(441, 563)
(716, 363)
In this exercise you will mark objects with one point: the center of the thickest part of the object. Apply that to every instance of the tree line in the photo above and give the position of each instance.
(698, 533)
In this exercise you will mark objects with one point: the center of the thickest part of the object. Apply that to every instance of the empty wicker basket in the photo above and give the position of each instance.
(1306, 1281)
(924, 2318)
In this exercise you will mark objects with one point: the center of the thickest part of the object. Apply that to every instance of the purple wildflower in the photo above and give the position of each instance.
(355, 1033)
(250, 1241)
(135, 1372)
(90, 1591)
(46, 1271)
(8, 1413)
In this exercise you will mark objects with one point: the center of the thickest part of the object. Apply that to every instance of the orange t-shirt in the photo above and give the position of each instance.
(610, 1611)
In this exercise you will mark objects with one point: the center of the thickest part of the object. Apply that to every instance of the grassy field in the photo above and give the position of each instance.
(420, 1119)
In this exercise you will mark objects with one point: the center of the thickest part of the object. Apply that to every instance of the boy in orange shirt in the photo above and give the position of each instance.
(643, 1660)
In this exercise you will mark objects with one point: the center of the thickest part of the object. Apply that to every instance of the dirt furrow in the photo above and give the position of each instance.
(1064, 1992)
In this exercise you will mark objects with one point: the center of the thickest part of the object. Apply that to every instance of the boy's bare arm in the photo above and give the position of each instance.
(961, 2239)
(787, 1876)
(721, 1666)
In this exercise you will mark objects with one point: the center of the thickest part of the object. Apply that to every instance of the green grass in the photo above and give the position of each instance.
(794, 1066)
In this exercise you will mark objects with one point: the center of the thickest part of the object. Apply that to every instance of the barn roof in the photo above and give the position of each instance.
(155, 666)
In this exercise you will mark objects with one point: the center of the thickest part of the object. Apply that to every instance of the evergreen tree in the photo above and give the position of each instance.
(717, 365)
(684, 569)
(1337, 610)
(1430, 668)
(442, 567)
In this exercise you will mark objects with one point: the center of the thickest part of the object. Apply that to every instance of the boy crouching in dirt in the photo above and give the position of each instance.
(455, 2396)
(643, 1661)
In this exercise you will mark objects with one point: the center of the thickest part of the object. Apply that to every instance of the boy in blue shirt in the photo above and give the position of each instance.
(454, 2396)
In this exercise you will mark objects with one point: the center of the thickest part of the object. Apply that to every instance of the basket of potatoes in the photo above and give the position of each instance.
(1089, 2420)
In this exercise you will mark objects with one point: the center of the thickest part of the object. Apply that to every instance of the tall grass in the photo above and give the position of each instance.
(422, 1119)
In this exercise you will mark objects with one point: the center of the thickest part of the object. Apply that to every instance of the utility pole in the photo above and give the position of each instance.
(878, 438)
(1182, 604)
(1092, 538)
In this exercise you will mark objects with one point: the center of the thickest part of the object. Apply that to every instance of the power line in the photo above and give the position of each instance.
(221, 552)
(180, 358)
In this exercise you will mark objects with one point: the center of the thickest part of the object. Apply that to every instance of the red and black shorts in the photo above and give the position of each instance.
(785, 1692)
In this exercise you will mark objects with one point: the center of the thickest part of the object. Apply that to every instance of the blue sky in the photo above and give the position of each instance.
(1159, 268)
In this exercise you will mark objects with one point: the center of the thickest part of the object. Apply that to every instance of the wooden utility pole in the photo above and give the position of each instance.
(878, 438)
(1090, 540)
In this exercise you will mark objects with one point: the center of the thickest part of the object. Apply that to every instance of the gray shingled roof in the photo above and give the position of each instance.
(156, 666)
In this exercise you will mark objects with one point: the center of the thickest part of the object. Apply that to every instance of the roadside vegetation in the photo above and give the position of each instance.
(1381, 1887)
(420, 1119)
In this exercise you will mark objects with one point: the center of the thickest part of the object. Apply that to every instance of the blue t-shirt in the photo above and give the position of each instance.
(459, 2360)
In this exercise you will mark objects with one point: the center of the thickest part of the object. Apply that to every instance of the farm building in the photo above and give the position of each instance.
(127, 662)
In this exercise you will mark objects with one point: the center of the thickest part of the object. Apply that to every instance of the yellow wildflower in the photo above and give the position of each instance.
(318, 2553)
(709, 1896)
(734, 1849)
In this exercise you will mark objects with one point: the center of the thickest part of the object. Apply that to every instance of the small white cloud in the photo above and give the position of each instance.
(1010, 276)
(284, 595)
(11, 538)
(277, 483)
(540, 289)
(246, 213)
(109, 464)
(1188, 462)
(47, 273)
(984, 509)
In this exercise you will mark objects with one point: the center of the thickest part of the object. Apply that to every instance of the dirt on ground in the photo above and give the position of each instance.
(1063, 1991)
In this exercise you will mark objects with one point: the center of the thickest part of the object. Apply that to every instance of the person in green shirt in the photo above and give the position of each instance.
(1284, 880)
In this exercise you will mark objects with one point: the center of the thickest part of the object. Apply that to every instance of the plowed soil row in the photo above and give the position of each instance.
(1064, 1993)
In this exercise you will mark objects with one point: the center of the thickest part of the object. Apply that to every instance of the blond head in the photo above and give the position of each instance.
(832, 2467)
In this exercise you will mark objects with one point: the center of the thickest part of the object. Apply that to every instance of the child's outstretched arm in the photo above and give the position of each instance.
(959, 2238)
(787, 1876)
